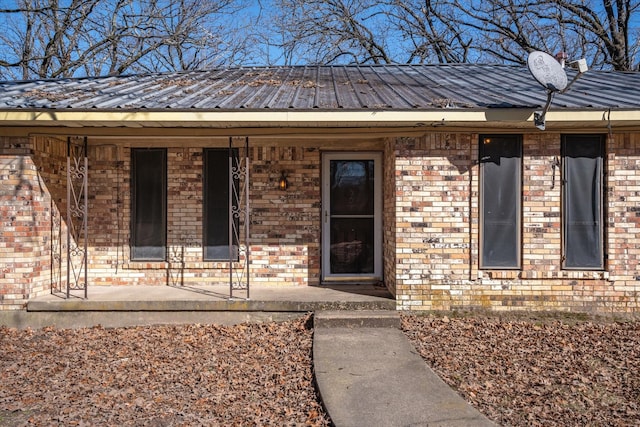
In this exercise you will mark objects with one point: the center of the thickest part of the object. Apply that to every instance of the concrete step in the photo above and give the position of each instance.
(356, 319)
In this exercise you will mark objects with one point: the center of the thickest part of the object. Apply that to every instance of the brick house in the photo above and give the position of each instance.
(430, 179)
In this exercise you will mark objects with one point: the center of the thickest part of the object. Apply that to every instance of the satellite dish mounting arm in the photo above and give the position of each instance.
(551, 75)
(582, 68)
(538, 116)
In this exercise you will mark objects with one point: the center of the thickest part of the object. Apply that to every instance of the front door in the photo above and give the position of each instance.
(352, 217)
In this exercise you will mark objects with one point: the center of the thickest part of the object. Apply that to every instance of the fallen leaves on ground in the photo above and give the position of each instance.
(244, 375)
(517, 372)
(536, 373)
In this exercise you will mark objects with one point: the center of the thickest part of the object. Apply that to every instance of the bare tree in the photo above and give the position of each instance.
(431, 30)
(276, 46)
(332, 31)
(51, 38)
(365, 31)
(609, 28)
(62, 38)
(507, 30)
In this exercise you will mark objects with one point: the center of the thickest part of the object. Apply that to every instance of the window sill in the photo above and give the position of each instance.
(178, 265)
(499, 274)
(146, 265)
(544, 275)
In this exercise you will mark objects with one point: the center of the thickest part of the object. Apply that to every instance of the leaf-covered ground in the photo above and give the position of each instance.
(537, 372)
(519, 372)
(244, 375)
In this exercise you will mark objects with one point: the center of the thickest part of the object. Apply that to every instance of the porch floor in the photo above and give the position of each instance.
(119, 306)
(216, 298)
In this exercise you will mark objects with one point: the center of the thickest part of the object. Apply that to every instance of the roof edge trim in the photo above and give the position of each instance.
(271, 118)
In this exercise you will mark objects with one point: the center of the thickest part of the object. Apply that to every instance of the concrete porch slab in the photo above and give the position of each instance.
(216, 298)
(120, 306)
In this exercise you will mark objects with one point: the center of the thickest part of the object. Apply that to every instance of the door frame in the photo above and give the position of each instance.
(325, 239)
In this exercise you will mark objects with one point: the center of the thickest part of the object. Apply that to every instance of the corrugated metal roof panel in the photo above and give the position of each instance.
(363, 87)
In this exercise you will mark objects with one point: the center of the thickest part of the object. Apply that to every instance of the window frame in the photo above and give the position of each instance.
(483, 261)
(600, 139)
(135, 253)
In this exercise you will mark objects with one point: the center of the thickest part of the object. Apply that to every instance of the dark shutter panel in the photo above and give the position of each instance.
(501, 159)
(216, 204)
(583, 247)
(149, 219)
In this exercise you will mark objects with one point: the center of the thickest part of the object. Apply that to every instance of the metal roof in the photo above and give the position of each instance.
(329, 88)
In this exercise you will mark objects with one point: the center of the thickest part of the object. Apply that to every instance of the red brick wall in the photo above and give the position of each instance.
(432, 219)
(285, 225)
(24, 215)
(437, 230)
(390, 197)
(430, 222)
(284, 229)
(623, 231)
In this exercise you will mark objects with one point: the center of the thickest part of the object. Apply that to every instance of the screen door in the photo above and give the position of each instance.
(351, 216)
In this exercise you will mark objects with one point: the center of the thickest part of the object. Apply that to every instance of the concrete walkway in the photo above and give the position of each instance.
(368, 374)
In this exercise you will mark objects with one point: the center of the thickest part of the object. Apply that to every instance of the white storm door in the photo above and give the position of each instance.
(352, 216)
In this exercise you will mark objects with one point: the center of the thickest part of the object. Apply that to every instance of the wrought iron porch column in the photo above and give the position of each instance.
(239, 250)
(77, 214)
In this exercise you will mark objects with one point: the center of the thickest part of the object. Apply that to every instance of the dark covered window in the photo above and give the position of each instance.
(216, 205)
(500, 190)
(583, 201)
(148, 204)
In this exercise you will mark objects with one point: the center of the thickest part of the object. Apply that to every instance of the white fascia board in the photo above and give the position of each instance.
(241, 116)
(271, 118)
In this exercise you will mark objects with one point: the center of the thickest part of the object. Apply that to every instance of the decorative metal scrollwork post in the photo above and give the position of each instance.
(56, 249)
(77, 214)
(238, 217)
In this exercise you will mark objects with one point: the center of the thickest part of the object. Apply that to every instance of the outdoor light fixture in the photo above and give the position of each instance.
(283, 184)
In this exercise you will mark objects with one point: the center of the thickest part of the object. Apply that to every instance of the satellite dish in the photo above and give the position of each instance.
(547, 71)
